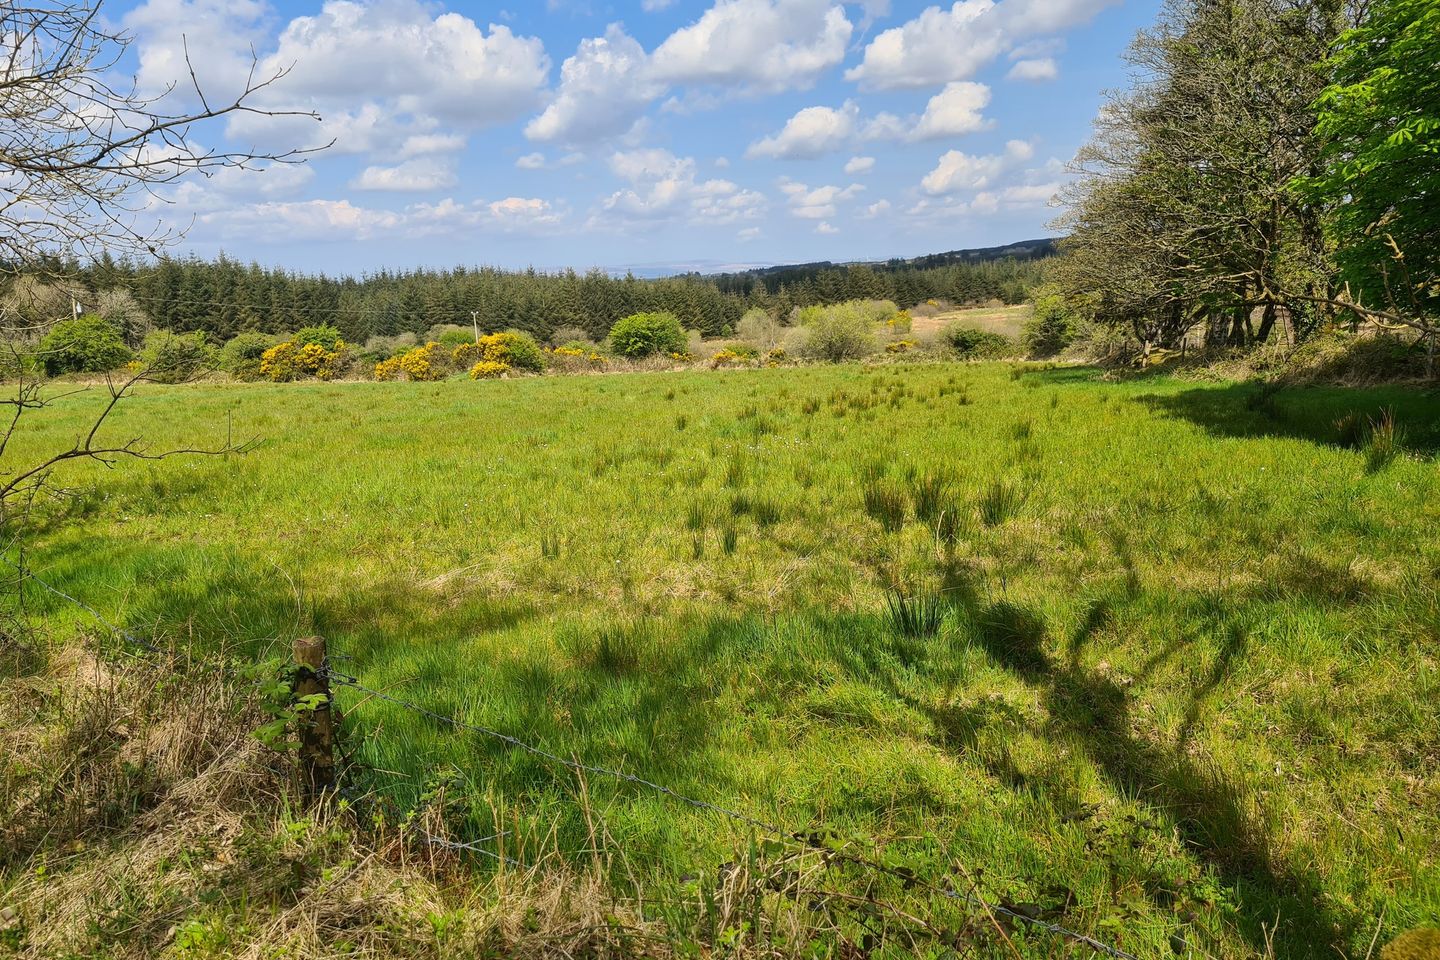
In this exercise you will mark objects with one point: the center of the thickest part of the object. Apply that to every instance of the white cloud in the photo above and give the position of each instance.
(650, 6)
(858, 165)
(748, 234)
(531, 161)
(954, 111)
(424, 173)
(943, 45)
(824, 227)
(816, 131)
(424, 144)
(758, 45)
(962, 171)
(818, 204)
(604, 89)
(664, 187)
(306, 220)
(1040, 69)
(812, 132)
(877, 209)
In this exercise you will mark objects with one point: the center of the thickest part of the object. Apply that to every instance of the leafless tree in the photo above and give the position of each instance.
(82, 150)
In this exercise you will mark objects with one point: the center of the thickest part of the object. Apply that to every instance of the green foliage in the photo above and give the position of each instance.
(643, 334)
(323, 335)
(241, 356)
(87, 344)
(973, 344)
(1050, 327)
(176, 357)
(1379, 121)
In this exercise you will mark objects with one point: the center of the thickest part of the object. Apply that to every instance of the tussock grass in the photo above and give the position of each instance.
(1191, 678)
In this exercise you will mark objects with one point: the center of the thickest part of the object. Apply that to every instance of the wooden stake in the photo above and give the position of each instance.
(315, 725)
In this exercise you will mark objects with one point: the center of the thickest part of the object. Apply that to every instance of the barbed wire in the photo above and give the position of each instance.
(735, 815)
(114, 630)
(473, 846)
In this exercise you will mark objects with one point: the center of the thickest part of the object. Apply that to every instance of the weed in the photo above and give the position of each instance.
(1384, 441)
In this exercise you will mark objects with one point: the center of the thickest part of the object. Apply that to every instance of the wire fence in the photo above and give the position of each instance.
(774, 831)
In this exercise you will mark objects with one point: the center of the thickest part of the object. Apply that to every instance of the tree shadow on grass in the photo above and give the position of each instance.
(1209, 811)
(1312, 413)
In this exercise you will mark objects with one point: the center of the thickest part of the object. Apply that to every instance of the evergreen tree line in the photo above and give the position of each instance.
(224, 297)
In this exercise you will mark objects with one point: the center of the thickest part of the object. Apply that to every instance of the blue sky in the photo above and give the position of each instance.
(636, 132)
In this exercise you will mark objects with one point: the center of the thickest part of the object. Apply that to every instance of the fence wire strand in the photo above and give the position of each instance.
(762, 826)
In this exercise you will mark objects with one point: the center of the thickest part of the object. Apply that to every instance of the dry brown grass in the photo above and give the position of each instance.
(1006, 321)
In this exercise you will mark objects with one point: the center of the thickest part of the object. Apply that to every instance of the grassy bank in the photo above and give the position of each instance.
(1185, 683)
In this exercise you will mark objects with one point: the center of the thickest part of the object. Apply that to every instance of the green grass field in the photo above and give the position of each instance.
(1187, 680)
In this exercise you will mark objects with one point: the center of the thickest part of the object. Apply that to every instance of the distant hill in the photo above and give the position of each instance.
(1020, 250)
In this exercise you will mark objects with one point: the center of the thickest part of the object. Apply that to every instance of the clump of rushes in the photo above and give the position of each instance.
(884, 503)
(1384, 441)
(929, 494)
(728, 539)
(914, 616)
(681, 421)
(1000, 502)
(550, 545)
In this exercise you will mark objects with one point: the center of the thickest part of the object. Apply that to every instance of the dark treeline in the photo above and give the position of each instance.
(224, 297)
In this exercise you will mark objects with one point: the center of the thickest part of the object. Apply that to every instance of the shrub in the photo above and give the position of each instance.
(87, 344)
(323, 336)
(1050, 327)
(642, 334)
(176, 357)
(901, 322)
(969, 342)
(293, 360)
(241, 356)
(511, 348)
(488, 370)
(417, 364)
(841, 332)
(726, 357)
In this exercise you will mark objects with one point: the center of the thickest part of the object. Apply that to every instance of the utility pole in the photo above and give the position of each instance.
(475, 321)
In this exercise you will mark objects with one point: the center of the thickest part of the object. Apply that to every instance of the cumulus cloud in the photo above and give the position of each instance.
(877, 209)
(307, 220)
(954, 111)
(812, 132)
(422, 174)
(758, 45)
(665, 187)
(816, 131)
(604, 88)
(942, 45)
(962, 171)
(825, 227)
(821, 203)
(858, 165)
(387, 78)
(1043, 68)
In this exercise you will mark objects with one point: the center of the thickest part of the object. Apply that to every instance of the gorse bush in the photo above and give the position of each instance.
(241, 356)
(643, 334)
(418, 364)
(87, 344)
(176, 357)
(511, 349)
(488, 370)
(293, 360)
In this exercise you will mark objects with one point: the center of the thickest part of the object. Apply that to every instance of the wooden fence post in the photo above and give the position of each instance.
(315, 724)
